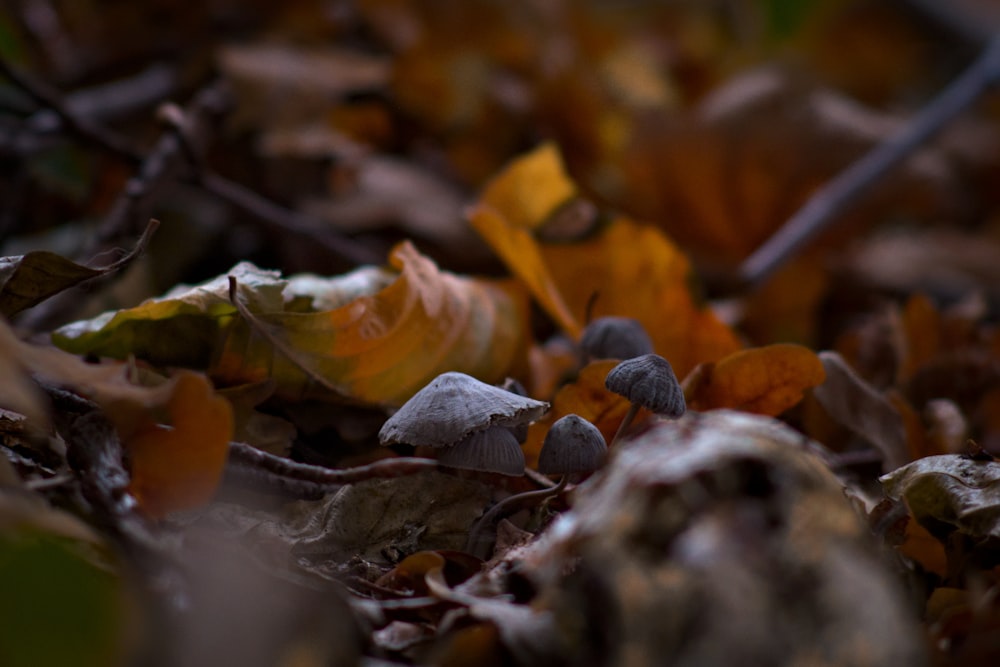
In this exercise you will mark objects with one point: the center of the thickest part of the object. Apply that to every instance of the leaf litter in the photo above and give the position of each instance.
(198, 478)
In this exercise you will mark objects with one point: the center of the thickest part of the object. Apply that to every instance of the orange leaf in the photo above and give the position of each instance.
(765, 380)
(586, 397)
(924, 548)
(519, 250)
(179, 467)
(383, 347)
(635, 271)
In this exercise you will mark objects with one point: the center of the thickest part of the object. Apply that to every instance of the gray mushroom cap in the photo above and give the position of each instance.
(572, 444)
(614, 338)
(648, 381)
(452, 406)
(494, 449)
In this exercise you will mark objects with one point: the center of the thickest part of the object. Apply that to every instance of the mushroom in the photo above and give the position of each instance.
(614, 338)
(647, 381)
(455, 406)
(572, 445)
(495, 449)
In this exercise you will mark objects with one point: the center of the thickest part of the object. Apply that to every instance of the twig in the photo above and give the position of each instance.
(163, 166)
(180, 147)
(399, 466)
(279, 218)
(503, 507)
(838, 195)
(82, 127)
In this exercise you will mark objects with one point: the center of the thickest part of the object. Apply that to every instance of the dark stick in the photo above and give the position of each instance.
(281, 218)
(174, 151)
(163, 166)
(87, 130)
(399, 466)
(823, 209)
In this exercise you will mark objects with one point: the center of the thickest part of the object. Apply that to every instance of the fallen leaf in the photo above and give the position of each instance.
(519, 250)
(383, 347)
(924, 548)
(27, 280)
(724, 178)
(181, 328)
(632, 270)
(856, 404)
(179, 467)
(531, 188)
(635, 271)
(950, 492)
(587, 397)
(764, 380)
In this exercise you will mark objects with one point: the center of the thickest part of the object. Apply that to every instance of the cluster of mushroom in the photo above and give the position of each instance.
(478, 426)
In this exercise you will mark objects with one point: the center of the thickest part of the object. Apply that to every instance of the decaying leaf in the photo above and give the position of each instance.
(29, 279)
(380, 521)
(182, 328)
(754, 150)
(632, 270)
(950, 492)
(381, 348)
(373, 335)
(863, 409)
(179, 467)
(766, 380)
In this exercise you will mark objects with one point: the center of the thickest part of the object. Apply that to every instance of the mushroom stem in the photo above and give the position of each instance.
(502, 507)
(633, 409)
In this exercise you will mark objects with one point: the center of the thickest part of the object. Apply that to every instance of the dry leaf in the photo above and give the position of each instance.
(530, 188)
(587, 397)
(633, 270)
(863, 409)
(383, 347)
(519, 250)
(764, 380)
(179, 467)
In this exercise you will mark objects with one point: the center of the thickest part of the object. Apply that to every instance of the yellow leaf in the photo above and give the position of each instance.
(633, 270)
(764, 380)
(530, 188)
(383, 347)
(179, 467)
(519, 250)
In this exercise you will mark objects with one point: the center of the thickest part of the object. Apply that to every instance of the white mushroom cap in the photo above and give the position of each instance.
(453, 406)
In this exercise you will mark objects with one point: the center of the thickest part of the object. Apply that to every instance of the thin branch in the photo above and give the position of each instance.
(831, 201)
(279, 218)
(81, 126)
(247, 463)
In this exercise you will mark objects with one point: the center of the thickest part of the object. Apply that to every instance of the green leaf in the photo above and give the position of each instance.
(181, 328)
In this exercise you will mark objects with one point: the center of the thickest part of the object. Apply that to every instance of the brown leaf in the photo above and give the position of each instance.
(765, 380)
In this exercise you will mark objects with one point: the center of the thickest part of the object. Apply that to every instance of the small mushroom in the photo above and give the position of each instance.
(647, 382)
(455, 406)
(614, 338)
(495, 449)
(521, 430)
(572, 445)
